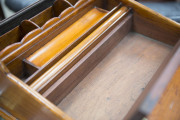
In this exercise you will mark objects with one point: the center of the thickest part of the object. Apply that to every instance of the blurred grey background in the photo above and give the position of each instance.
(168, 8)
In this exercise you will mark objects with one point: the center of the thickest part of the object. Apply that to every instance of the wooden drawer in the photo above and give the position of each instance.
(114, 59)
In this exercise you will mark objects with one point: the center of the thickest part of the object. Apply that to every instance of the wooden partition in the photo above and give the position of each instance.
(93, 59)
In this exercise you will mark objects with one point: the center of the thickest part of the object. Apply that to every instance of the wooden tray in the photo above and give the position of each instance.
(137, 80)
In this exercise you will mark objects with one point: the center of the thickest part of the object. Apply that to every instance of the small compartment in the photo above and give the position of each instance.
(54, 11)
(22, 69)
(79, 50)
(28, 29)
(16, 34)
(112, 87)
(58, 27)
(69, 37)
(55, 46)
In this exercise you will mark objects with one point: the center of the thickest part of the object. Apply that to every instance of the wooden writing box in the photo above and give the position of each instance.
(90, 59)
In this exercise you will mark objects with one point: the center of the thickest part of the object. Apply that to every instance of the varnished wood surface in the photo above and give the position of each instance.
(50, 32)
(59, 43)
(15, 36)
(110, 90)
(18, 36)
(22, 102)
(14, 46)
(42, 17)
(71, 46)
(165, 30)
(75, 54)
(169, 106)
(64, 85)
(44, 20)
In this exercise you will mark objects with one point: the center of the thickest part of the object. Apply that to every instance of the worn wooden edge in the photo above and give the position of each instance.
(155, 88)
(73, 76)
(156, 21)
(39, 107)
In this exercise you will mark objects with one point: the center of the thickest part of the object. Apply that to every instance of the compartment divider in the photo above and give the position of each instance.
(62, 24)
(55, 46)
(55, 72)
(65, 84)
(27, 26)
(27, 30)
(29, 90)
(70, 47)
(21, 69)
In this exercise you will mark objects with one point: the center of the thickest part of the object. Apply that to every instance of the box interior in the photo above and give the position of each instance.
(110, 90)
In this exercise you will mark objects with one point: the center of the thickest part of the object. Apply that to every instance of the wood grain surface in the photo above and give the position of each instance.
(77, 53)
(64, 85)
(169, 106)
(55, 46)
(22, 102)
(155, 88)
(10, 48)
(53, 31)
(110, 90)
